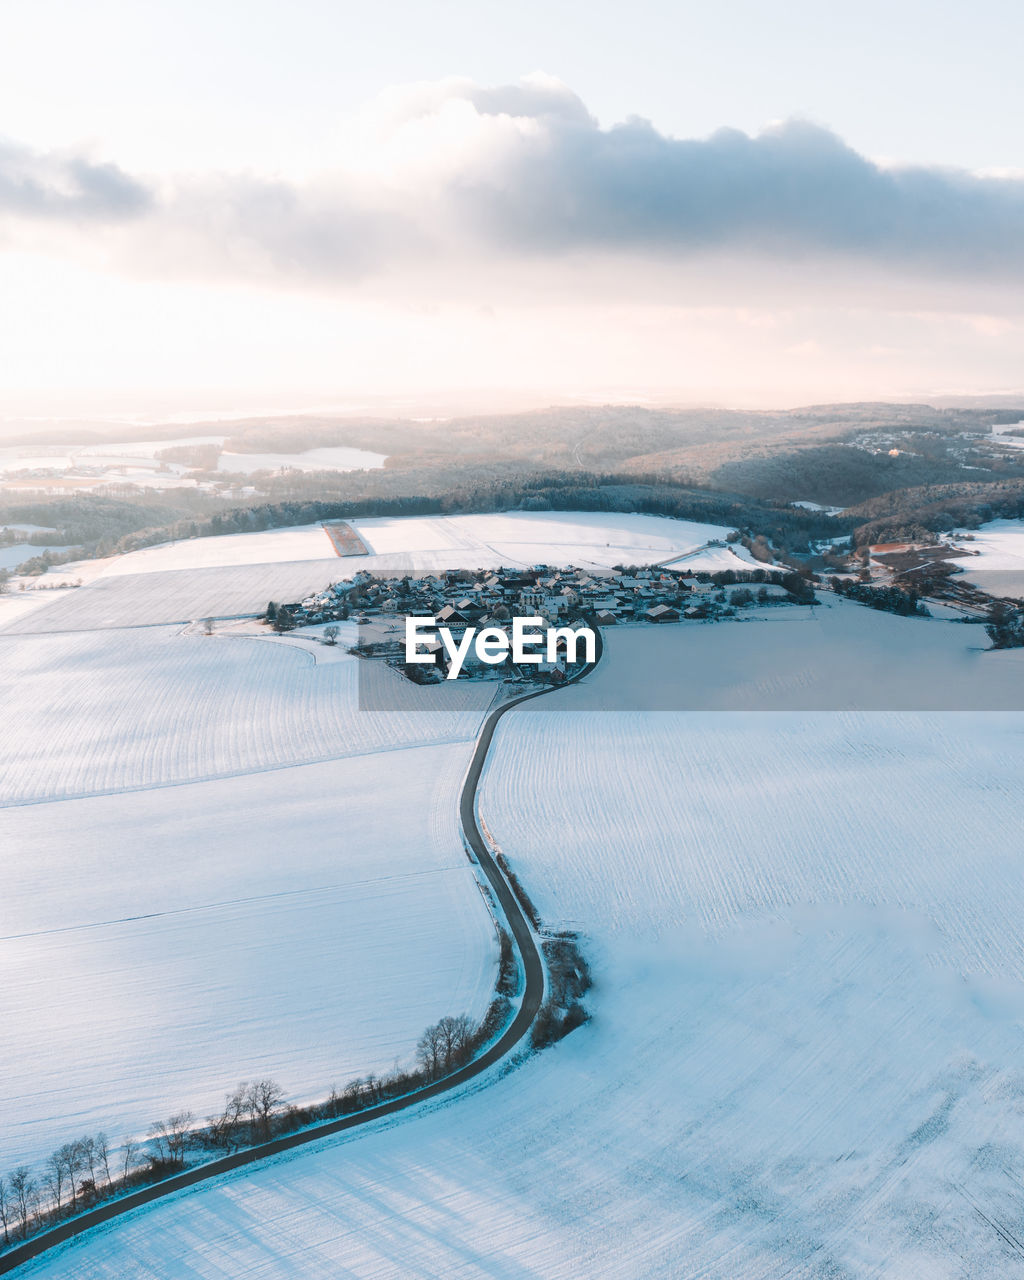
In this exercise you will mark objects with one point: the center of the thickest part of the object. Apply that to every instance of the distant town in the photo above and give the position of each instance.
(460, 599)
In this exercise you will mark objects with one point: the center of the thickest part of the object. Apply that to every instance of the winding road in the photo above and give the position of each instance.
(533, 995)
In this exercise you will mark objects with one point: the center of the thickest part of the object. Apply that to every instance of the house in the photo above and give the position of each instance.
(605, 618)
(451, 617)
(662, 613)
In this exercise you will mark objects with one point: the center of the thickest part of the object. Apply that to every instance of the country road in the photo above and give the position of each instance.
(533, 996)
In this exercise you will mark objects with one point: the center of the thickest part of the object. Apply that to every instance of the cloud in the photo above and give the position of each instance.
(67, 185)
(447, 176)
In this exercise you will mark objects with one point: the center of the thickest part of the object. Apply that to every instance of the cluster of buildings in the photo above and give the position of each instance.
(459, 598)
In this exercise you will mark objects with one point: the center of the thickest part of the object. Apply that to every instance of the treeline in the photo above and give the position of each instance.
(560, 491)
(98, 523)
(90, 1170)
(840, 474)
(914, 515)
(889, 599)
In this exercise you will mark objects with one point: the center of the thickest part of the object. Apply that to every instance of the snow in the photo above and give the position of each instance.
(272, 546)
(521, 538)
(97, 712)
(806, 1057)
(997, 568)
(162, 945)
(239, 573)
(328, 459)
(145, 599)
(715, 560)
(816, 506)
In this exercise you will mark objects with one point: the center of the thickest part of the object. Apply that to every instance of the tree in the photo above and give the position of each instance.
(23, 1193)
(208, 626)
(445, 1045)
(55, 1178)
(331, 634)
(224, 1127)
(88, 1158)
(262, 1099)
(6, 1208)
(103, 1155)
(428, 1051)
(129, 1155)
(170, 1136)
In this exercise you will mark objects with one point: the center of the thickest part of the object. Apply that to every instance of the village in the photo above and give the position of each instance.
(461, 599)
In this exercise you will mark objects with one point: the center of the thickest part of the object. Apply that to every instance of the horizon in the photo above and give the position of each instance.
(341, 208)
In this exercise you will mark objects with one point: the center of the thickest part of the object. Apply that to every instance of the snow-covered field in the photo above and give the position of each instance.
(162, 945)
(137, 461)
(145, 599)
(587, 539)
(806, 1057)
(273, 546)
(216, 866)
(238, 573)
(998, 568)
(98, 712)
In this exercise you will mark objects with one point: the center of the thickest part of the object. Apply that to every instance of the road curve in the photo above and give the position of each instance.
(533, 995)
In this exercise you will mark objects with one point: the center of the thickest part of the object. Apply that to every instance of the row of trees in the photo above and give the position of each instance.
(74, 1177)
(80, 1174)
(890, 599)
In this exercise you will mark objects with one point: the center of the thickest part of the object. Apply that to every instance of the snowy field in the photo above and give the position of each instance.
(162, 945)
(521, 538)
(145, 599)
(215, 866)
(137, 461)
(238, 573)
(998, 568)
(96, 712)
(806, 1057)
(272, 546)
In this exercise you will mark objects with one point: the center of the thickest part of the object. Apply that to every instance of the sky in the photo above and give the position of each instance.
(235, 208)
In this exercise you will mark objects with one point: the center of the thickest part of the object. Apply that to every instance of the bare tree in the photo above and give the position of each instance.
(170, 1136)
(88, 1159)
(55, 1178)
(262, 1099)
(429, 1052)
(331, 634)
(208, 626)
(129, 1155)
(445, 1045)
(6, 1208)
(225, 1126)
(456, 1039)
(103, 1156)
(23, 1193)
